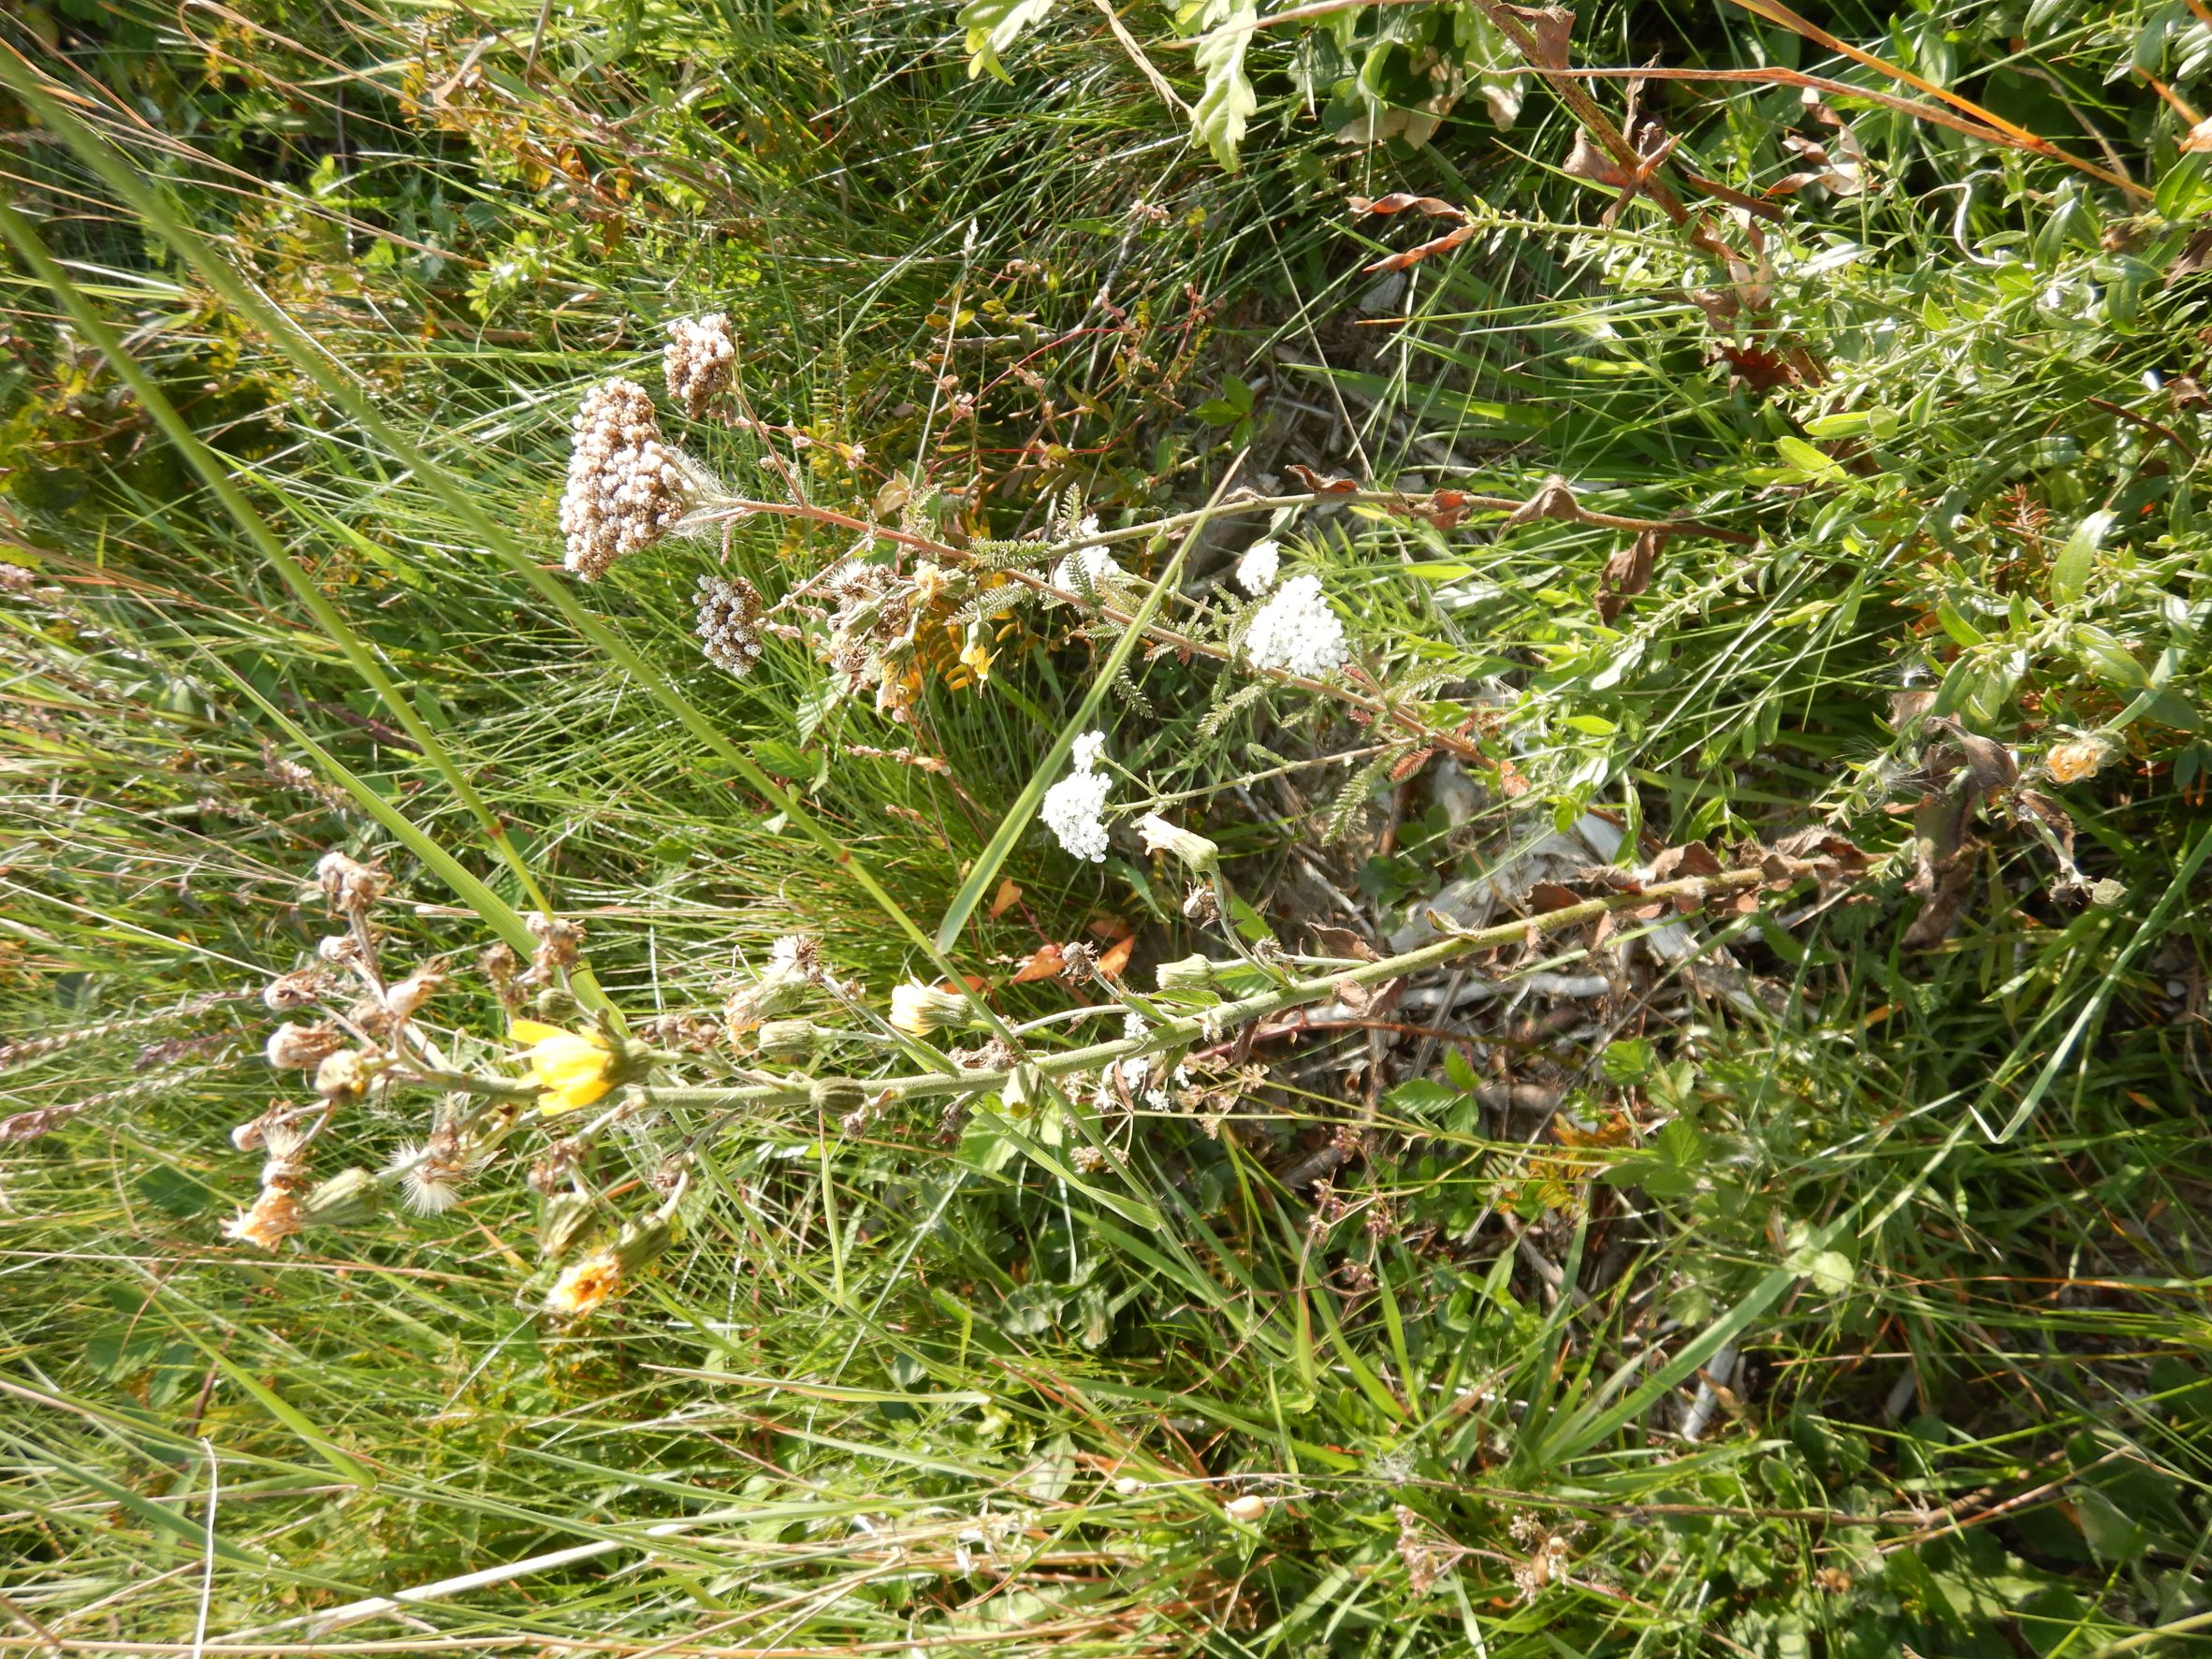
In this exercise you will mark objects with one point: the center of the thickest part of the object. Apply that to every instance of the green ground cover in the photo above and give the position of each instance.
(1761, 468)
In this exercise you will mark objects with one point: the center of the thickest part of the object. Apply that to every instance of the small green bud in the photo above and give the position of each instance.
(566, 1218)
(838, 1097)
(1192, 973)
(787, 1042)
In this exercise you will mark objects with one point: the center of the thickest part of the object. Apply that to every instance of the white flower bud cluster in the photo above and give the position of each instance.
(729, 623)
(625, 487)
(1073, 806)
(1297, 632)
(1256, 569)
(697, 361)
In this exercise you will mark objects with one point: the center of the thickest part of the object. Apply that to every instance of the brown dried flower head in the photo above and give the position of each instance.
(561, 941)
(729, 623)
(626, 489)
(698, 361)
(273, 1219)
(402, 1000)
(298, 1047)
(349, 886)
(303, 987)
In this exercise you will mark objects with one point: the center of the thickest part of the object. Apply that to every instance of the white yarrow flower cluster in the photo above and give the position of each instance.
(625, 487)
(1297, 632)
(1074, 807)
(1260, 566)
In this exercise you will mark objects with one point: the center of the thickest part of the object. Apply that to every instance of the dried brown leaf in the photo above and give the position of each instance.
(1942, 888)
(1589, 160)
(1552, 499)
(1545, 896)
(1004, 900)
(1442, 244)
(1046, 965)
(1321, 483)
(1343, 943)
(2194, 258)
(1627, 573)
(1990, 765)
(1400, 202)
(1116, 958)
(1676, 863)
(1552, 28)
(1443, 508)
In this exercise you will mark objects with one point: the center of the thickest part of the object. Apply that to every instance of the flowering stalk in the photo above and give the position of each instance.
(1171, 1033)
(1552, 502)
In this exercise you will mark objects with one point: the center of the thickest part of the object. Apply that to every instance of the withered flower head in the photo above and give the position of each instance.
(729, 623)
(626, 489)
(349, 886)
(296, 1047)
(273, 1219)
(345, 1075)
(697, 361)
(303, 987)
(403, 999)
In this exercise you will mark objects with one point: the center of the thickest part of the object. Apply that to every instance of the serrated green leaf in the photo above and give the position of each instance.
(1229, 102)
(1830, 1270)
(1626, 1061)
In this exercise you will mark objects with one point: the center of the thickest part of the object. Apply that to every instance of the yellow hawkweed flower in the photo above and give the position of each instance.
(572, 1067)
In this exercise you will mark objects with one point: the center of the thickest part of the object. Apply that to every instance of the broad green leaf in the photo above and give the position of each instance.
(1809, 461)
(1854, 423)
(1830, 1270)
(2069, 571)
